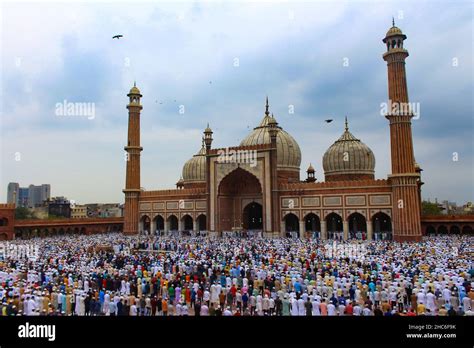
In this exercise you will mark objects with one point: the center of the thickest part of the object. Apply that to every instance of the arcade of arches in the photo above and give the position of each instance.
(172, 224)
(27, 232)
(437, 229)
(334, 227)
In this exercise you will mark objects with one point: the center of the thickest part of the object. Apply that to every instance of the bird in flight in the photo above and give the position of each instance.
(117, 36)
(328, 121)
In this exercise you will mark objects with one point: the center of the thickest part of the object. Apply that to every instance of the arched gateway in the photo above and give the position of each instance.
(239, 202)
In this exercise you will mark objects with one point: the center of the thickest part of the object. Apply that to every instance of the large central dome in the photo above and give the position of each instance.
(288, 150)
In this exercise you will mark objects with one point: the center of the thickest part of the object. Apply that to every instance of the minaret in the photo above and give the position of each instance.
(273, 206)
(404, 178)
(133, 148)
(208, 143)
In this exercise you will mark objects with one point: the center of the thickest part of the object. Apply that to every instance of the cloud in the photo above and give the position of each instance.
(185, 54)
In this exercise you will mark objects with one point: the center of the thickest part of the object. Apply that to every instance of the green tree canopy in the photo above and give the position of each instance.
(428, 208)
(22, 213)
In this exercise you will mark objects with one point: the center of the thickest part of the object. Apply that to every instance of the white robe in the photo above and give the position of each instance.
(294, 307)
(76, 309)
(106, 308)
(301, 309)
(82, 306)
(430, 302)
(316, 310)
(31, 306)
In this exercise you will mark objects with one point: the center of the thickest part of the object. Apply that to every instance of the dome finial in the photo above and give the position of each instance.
(266, 107)
(347, 125)
(134, 83)
(272, 122)
(393, 21)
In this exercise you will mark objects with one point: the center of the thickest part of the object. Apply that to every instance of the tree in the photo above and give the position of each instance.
(428, 208)
(22, 213)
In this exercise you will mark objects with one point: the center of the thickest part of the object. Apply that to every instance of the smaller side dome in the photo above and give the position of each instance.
(194, 170)
(348, 159)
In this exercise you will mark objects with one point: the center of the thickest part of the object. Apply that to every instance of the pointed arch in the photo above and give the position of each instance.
(334, 226)
(172, 221)
(357, 226)
(187, 222)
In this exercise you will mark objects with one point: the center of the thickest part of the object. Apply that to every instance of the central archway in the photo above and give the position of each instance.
(236, 194)
(253, 216)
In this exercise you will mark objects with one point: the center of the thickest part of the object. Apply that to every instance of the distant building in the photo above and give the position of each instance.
(92, 210)
(99, 210)
(23, 197)
(110, 210)
(38, 194)
(79, 212)
(31, 196)
(12, 192)
(59, 207)
(449, 207)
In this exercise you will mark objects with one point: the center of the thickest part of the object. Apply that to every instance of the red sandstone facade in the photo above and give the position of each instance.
(404, 178)
(7, 220)
(216, 196)
(133, 149)
(266, 194)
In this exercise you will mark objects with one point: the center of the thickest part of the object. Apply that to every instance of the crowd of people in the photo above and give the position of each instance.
(117, 275)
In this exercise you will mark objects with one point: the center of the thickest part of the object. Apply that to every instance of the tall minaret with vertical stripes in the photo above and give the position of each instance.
(404, 178)
(133, 149)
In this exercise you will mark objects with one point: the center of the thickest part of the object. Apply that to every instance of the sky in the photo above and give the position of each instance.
(211, 61)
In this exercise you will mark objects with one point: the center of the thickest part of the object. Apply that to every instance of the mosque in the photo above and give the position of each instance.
(260, 192)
